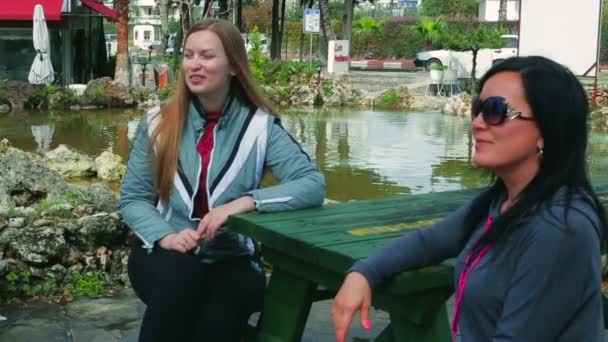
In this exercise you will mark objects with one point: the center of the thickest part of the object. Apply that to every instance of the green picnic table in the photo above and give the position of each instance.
(311, 250)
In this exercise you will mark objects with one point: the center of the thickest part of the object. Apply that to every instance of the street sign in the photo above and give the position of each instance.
(312, 20)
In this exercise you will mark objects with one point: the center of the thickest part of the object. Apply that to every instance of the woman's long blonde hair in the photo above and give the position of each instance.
(167, 135)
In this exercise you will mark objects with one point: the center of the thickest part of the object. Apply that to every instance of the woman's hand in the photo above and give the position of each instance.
(216, 217)
(354, 295)
(183, 241)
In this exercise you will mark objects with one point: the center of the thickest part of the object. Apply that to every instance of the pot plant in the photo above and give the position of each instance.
(436, 73)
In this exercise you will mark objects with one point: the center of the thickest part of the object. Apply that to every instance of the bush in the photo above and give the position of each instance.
(390, 100)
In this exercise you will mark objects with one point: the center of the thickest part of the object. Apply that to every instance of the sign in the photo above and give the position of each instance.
(542, 32)
(338, 59)
(312, 20)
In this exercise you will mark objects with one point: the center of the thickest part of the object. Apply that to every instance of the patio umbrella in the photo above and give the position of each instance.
(42, 69)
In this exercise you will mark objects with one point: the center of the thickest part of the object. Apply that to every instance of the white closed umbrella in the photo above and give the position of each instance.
(42, 69)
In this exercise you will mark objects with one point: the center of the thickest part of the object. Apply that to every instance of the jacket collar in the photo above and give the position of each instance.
(198, 117)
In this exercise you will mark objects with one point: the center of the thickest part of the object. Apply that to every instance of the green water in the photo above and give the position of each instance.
(363, 154)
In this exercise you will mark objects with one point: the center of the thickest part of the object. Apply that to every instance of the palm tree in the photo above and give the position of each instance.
(367, 27)
(430, 29)
(121, 73)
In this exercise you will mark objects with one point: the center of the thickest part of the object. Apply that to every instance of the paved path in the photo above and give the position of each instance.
(118, 319)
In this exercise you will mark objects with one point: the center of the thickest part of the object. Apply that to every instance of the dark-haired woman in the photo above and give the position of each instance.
(528, 248)
(194, 162)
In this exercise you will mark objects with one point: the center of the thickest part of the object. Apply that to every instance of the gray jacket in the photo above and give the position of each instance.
(246, 142)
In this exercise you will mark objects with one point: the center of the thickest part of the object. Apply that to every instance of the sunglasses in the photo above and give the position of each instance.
(495, 111)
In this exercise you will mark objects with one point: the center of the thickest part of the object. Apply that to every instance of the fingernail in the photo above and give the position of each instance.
(367, 325)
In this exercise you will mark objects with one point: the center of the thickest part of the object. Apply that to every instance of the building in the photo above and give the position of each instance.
(78, 50)
(488, 10)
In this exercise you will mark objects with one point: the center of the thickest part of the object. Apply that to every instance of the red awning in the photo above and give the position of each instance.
(23, 10)
(101, 9)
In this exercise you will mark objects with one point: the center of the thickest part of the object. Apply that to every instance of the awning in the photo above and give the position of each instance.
(23, 10)
(101, 9)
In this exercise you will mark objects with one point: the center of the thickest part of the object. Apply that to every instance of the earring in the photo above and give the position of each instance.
(540, 151)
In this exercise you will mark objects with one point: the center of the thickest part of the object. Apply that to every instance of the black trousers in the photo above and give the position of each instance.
(190, 301)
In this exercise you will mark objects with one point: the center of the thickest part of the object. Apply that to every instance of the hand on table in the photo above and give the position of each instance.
(216, 217)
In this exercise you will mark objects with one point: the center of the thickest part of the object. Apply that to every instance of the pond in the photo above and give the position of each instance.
(363, 154)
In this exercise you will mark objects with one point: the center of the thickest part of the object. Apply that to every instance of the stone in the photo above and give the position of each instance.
(110, 166)
(39, 247)
(3, 268)
(28, 212)
(4, 109)
(70, 163)
(56, 271)
(16, 222)
(459, 105)
(102, 198)
(105, 92)
(97, 230)
(42, 223)
(22, 95)
(26, 179)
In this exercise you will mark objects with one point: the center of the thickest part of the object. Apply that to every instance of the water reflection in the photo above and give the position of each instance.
(363, 154)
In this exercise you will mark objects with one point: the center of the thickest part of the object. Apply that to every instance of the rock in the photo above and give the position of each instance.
(72, 257)
(110, 167)
(459, 105)
(97, 230)
(105, 92)
(16, 222)
(27, 212)
(42, 223)
(60, 210)
(63, 99)
(26, 179)
(75, 107)
(84, 210)
(102, 198)
(303, 96)
(3, 268)
(68, 226)
(4, 109)
(57, 272)
(70, 163)
(22, 95)
(39, 247)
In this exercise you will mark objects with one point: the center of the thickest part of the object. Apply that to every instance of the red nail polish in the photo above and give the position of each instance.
(367, 325)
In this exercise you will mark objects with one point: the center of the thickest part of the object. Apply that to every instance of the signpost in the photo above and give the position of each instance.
(312, 25)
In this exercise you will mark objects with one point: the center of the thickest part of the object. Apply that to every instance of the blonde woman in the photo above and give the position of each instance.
(194, 162)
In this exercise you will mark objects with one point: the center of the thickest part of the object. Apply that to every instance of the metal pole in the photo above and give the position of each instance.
(310, 52)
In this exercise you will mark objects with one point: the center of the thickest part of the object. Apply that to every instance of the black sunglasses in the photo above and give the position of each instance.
(495, 111)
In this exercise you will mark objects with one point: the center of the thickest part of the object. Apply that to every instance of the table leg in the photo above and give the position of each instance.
(286, 306)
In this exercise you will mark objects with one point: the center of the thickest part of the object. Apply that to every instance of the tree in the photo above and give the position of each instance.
(327, 32)
(121, 73)
(502, 10)
(449, 8)
(347, 19)
(367, 27)
(430, 29)
(473, 39)
(164, 27)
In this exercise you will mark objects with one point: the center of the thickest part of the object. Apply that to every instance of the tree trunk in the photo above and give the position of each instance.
(310, 2)
(282, 28)
(239, 15)
(473, 69)
(121, 73)
(164, 27)
(206, 8)
(502, 10)
(347, 19)
(275, 35)
(327, 32)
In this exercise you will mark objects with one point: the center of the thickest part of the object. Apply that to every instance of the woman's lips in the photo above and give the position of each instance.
(196, 79)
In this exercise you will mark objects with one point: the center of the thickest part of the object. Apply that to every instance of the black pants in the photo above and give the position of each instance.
(190, 301)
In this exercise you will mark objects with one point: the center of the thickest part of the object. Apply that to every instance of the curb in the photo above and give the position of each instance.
(378, 64)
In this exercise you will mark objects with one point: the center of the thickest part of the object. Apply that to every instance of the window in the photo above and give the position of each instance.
(147, 35)
(510, 42)
(136, 32)
(149, 11)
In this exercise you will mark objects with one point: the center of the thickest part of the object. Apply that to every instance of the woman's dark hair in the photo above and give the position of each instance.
(560, 107)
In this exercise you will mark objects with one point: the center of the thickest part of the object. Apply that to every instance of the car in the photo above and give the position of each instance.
(428, 59)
